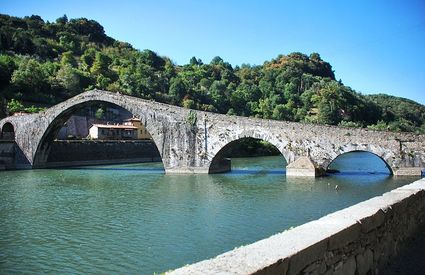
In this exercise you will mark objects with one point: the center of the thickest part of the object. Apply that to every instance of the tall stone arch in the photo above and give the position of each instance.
(52, 120)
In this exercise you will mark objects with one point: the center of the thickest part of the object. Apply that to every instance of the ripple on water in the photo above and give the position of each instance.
(134, 219)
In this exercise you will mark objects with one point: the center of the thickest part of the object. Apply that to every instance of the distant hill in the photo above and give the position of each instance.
(43, 63)
(401, 113)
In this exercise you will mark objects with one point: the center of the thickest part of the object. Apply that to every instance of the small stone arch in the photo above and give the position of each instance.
(220, 164)
(43, 147)
(377, 154)
(8, 131)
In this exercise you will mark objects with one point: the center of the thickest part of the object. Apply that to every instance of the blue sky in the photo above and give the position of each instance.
(373, 46)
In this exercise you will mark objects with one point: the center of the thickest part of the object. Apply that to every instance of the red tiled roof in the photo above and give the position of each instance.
(133, 119)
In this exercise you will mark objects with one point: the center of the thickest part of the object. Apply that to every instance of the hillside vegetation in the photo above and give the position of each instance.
(43, 63)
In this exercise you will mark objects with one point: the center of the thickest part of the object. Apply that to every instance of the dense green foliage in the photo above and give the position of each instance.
(44, 63)
(399, 114)
(247, 147)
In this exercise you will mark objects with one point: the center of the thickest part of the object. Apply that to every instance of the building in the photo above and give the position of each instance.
(131, 129)
(106, 131)
(142, 133)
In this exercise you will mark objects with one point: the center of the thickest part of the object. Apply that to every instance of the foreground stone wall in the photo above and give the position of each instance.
(360, 239)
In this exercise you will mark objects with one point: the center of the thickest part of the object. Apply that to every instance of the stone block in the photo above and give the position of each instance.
(408, 172)
(347, 267)
(332, 258)
(297, 172)
(312, 268)
(372, 222)
(342, 238)
(364, 262)
(303, 258)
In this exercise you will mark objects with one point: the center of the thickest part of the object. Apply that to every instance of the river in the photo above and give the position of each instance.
(133, 219)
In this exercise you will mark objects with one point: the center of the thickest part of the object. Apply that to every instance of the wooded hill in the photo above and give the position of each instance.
(43, 63)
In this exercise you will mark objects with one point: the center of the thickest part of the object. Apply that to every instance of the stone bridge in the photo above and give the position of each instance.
(192, 141)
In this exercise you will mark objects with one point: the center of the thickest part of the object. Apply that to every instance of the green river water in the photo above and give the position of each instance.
(134, 219)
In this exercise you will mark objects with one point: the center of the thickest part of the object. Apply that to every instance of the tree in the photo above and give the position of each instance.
(101, 64)
(193, 61)
(68, 80)
(219, 97)
(238, 102)
(29, 78)
(62, 20)
(87, 59)
(216, 60)
(100, 113)
(67, 58)
(177, 90)
(189, 103)
(90, 28)
(7, 66)
(68, 41)
(264, 109)
(282, 112)
(151, 59)
(14, 106)
(21, 42)
(315, 57)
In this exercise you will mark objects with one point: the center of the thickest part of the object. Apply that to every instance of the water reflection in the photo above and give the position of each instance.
(98, 168)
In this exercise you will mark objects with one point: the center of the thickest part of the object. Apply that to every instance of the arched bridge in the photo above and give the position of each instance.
(192, 141)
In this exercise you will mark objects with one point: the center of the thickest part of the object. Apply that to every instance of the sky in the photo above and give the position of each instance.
(373, 46)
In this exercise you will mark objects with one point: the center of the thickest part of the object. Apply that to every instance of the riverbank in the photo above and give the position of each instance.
(68, 153)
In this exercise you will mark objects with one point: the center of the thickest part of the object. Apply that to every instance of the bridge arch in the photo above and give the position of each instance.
(60, 114)
(383, 157)
(218, 161)
(8, 131)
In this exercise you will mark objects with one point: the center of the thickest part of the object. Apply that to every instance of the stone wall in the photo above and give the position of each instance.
(12, 157)
(360, 239)
(90, 152)
(7, 154)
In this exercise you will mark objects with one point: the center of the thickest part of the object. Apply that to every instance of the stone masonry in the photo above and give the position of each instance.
(191, 141)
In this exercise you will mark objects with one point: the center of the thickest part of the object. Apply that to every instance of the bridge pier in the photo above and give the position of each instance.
(186, 170)
(303, 167)
(408, 172)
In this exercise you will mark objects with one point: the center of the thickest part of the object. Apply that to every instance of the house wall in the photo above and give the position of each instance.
(94, 132)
